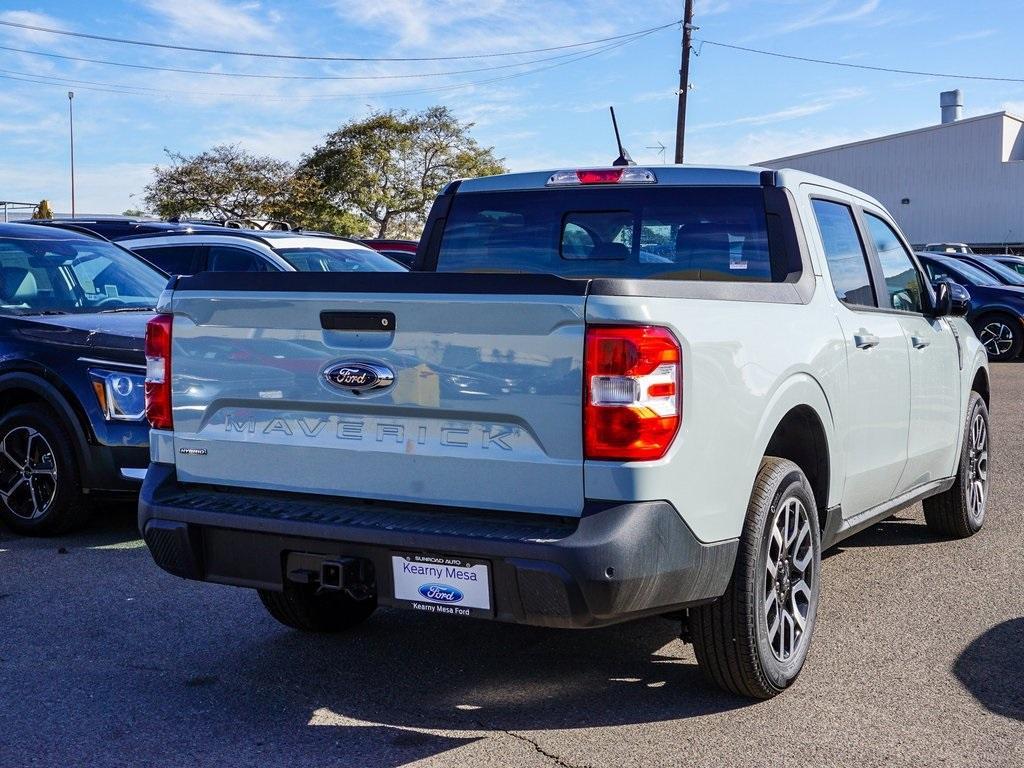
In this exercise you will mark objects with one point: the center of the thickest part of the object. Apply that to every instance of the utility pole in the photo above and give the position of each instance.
(71, 124)
(684, 79)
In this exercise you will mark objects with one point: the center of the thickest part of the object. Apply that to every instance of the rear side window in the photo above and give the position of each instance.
(844, 252)
(172, 259)
(224, 258)
(670, 233)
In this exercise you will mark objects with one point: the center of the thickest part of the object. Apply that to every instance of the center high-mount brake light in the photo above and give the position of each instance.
(622, 175)
(158, 372)
(633, 380)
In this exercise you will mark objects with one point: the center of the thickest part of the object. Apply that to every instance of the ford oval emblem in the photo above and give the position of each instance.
(359, 376)
(441, 593)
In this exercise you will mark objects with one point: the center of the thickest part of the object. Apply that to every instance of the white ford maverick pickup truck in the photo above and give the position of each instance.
(607, 393)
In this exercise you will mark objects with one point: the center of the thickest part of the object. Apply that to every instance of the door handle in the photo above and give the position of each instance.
(865, 340)
(919, 342)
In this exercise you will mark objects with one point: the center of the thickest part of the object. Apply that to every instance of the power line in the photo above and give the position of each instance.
(138, 90)
(264, 76)
(848, 65)
(262, 55)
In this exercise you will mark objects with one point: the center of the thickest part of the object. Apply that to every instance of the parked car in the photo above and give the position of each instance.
(189, 251)
(1016, 263)
(948, 248)
(402, 251)
(114, 227)
(716, 414)
(73, 312)
(187, 247)
(997, 310)
(1004, 274)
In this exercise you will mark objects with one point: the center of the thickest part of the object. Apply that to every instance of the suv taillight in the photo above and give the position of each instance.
(633, 381)
(158, 372)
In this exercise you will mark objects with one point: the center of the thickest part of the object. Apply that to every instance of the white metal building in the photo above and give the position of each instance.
(959, 181)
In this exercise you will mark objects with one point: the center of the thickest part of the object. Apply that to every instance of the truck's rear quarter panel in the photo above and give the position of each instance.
(742, 362)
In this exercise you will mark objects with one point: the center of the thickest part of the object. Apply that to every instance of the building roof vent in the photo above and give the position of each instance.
(952, 104)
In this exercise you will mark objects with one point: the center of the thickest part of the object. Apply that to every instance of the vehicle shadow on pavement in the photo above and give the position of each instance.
(894, 532)
(991, 668)
(114, 523)
(408, 671)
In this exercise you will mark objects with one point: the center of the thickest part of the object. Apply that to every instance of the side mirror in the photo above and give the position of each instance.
(951, 298)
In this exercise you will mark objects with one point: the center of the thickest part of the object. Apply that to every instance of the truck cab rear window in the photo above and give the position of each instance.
(670, 233)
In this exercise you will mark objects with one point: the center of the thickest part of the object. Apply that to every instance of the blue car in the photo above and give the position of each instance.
(994, 266)
(73, 313)
(997, 310)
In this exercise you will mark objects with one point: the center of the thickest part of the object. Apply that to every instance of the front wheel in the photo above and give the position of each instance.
(1002, 336)
(754, 639)
(40, 485)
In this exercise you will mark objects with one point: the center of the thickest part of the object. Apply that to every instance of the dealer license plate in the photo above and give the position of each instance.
(442, 584)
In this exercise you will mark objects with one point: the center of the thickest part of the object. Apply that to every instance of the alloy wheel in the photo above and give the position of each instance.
(28, 473)
(789, 579)
(977, 467)
(997, 337)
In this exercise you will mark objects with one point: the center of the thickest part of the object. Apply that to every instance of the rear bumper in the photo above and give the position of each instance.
(619, 561)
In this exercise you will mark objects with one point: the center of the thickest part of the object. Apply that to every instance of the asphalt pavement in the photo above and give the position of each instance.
(917, 660)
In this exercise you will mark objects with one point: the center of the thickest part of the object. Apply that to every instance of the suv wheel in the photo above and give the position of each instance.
(960, 511)
(754, 639)
(40, 489)
(302, 607)
(1002, 336)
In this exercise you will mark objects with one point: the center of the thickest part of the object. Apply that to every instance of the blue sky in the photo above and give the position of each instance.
(743, 107)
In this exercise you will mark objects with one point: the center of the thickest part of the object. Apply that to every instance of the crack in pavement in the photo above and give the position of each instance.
(540, 750)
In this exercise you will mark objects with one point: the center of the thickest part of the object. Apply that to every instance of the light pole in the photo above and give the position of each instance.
(71, 124)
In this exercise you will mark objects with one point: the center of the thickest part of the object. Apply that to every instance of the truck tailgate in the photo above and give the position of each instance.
(484, 410)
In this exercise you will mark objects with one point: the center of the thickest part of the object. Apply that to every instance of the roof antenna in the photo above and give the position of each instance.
(623, 158)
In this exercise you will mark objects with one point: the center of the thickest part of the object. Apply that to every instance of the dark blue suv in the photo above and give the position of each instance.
(73, 313)
(997, 310)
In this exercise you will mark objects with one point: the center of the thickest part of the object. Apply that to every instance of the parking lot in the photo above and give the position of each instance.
(918, 659)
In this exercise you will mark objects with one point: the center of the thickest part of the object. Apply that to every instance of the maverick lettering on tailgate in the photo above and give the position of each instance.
(488, 437)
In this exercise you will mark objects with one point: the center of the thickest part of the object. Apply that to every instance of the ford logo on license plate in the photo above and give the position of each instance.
(441, 593)
(359, 376)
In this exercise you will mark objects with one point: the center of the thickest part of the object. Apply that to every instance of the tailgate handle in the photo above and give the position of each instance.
(358, 321)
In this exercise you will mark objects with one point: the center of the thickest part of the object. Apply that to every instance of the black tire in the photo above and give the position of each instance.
(300, 607)
(731, 637)
(954, 512)
(1001, 334)
(63, 508)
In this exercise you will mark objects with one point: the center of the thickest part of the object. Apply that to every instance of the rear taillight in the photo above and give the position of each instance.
(633, 397)
(158, 372)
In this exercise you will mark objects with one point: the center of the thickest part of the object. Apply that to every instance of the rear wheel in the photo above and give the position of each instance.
(40, 485)
(754, 639)
(960, 511)
(302, 607)
(1002, 336)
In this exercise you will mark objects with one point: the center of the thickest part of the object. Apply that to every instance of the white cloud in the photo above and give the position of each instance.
(764, 145)
(965, 37)
(215, 19)
(103, 188)
(284, 143)
(812, 107)
(833, 12)
(33, 19)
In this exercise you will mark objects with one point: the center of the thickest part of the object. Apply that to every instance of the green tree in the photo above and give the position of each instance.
(227, 181)
(387, 169)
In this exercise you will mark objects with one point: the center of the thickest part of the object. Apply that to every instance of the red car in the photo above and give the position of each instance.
(402, 251)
